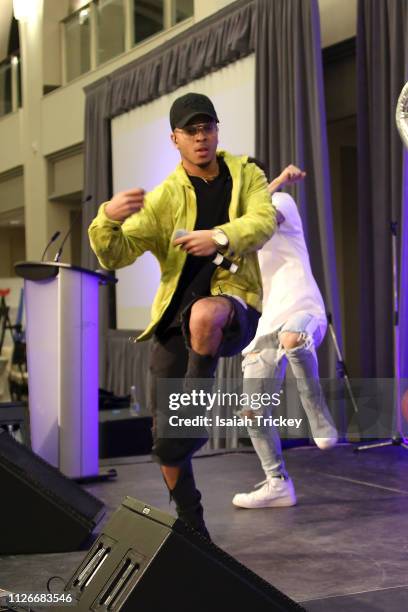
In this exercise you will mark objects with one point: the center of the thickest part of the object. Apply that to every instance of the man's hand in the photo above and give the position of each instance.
(124, 204)
(198, 243)
(290, 175)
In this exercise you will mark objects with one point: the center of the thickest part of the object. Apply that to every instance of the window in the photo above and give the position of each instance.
(10, 86)
(110, 29)
(148, 18)
(103, 29)
(5, 88)
(78, 44)
(184, 9)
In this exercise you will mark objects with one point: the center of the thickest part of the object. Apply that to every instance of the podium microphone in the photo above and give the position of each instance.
(71, 227)
(49, 243)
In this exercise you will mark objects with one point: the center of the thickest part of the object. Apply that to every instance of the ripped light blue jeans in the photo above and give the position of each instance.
(264, 371)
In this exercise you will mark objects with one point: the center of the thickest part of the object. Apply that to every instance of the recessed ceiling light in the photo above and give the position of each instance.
(24, 10)
(83, 16)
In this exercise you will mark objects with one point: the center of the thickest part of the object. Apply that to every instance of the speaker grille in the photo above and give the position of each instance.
(49, 481)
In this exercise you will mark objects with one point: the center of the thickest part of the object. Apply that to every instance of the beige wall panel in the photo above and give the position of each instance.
(11, 193)
(204, 8)
(67, 175)
(63, 117)
(10, 139)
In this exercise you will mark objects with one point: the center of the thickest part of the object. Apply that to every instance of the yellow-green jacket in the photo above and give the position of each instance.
(171, 206)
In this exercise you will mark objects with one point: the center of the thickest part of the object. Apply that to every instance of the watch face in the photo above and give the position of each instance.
(221, 239)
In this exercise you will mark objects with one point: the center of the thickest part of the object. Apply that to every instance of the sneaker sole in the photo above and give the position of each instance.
(325, 443)
(282, 502)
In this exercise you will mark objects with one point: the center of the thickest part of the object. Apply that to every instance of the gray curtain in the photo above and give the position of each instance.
(127, 361)
(382, 63)
(97, 158)
(291, 128)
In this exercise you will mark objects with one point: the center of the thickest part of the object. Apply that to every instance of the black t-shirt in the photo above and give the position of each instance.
(213, 199)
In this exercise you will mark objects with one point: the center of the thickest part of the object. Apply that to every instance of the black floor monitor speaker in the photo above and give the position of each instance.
(41, 510)
(149, 561)
(122, 434)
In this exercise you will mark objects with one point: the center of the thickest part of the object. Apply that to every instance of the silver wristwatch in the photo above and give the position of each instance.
(220, 239)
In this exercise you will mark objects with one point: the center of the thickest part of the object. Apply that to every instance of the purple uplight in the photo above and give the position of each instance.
(403, 311)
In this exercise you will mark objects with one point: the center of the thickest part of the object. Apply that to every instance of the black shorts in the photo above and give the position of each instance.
(237, 335)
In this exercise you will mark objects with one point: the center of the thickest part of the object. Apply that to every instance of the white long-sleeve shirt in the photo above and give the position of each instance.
(288, 283)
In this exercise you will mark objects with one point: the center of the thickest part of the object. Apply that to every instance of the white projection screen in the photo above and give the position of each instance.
(143, 155)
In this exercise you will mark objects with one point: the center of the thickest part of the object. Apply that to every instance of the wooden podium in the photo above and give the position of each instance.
(62, 359)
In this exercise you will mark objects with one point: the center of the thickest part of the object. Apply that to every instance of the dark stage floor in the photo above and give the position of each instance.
(343, 547)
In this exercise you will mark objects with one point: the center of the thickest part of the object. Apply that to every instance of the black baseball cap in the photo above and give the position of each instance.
(186, 107)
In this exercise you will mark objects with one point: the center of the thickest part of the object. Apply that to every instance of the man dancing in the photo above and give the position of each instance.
(292, 326)
(198, 315)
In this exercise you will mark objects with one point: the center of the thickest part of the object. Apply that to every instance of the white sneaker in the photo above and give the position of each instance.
(274, 493)
(323, 429)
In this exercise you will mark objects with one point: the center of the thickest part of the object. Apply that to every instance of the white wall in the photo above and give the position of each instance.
(338, 20)
(143, 156)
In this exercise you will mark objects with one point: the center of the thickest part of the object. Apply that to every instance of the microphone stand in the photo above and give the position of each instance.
(398, 438)
(341, 365)
(59, 252)
(52, 239)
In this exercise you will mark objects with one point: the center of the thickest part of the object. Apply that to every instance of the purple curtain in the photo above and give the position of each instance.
(404, 272)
